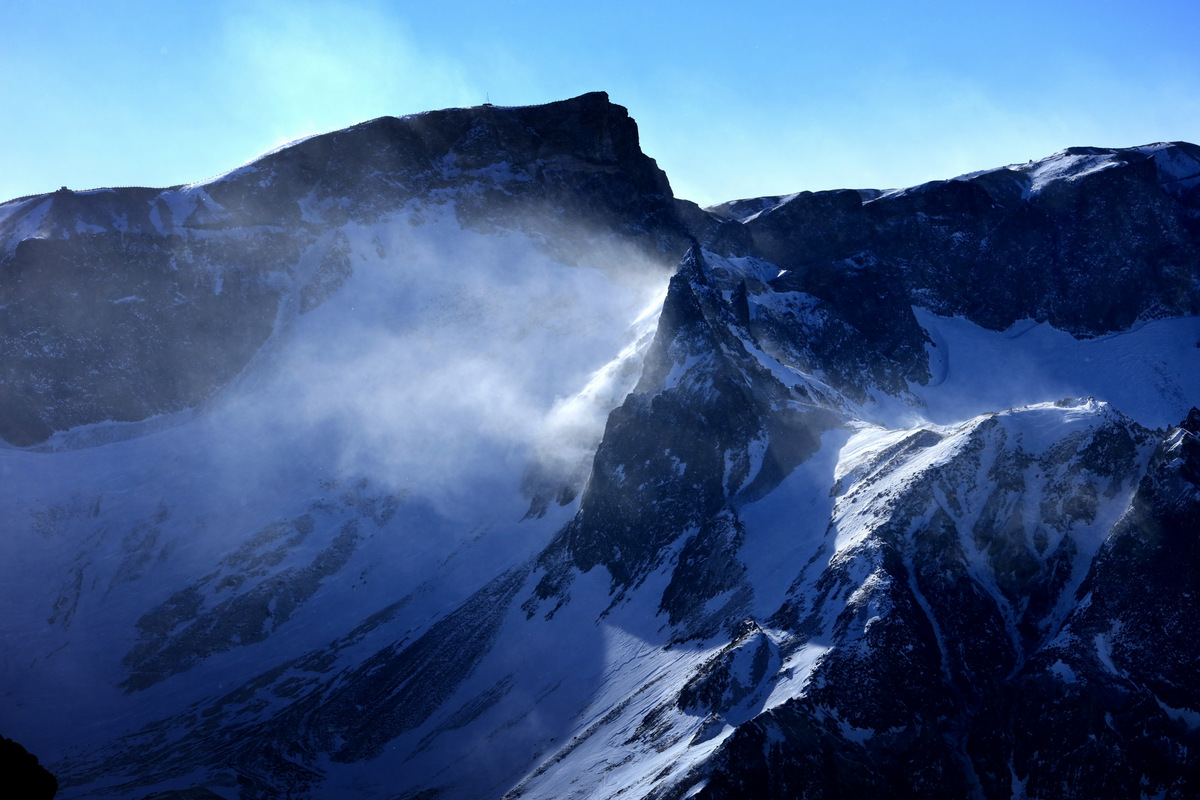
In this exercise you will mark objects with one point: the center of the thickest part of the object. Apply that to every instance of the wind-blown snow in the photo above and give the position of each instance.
(30, 225)
(424, 423)
(1067, 166)
(409, 404)
(1178, 169)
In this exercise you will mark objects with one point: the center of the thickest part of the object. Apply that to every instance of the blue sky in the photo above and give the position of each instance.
(733, 100)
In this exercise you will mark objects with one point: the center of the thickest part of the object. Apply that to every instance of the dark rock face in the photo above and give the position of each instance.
(256, 598)
(1004, 607)
(1090, 252)
(349, 715)
(992, 633)
(173, 291)
(934, 620)
(677, 455)
(575, 161)
(157, 323)
(23, 776)
(952, 707)
(865, 335)
(1120, 727)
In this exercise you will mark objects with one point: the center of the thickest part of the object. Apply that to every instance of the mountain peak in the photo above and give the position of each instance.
(461, 459)
(569, 174)
(583, 136)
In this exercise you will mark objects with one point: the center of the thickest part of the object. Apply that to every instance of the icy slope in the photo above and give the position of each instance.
(372, 461)
(878, 495)
(874, 597)
(1150, 372)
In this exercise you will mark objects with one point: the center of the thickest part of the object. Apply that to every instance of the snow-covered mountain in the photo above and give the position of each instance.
(452, 456)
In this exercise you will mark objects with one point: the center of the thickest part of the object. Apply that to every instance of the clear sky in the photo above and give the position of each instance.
(733, 99)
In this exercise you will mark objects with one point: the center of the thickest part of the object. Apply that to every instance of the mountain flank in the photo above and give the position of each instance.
(451, 456)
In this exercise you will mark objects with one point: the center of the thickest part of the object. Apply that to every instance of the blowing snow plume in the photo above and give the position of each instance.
(441, 487)
(432, 322)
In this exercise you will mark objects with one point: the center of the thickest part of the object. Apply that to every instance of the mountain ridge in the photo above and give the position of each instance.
(237, 245)
(554, 485)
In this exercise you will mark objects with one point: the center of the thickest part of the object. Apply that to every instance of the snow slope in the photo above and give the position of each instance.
(406, 407)
(496, 510)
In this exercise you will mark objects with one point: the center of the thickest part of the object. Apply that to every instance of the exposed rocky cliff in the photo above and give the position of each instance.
(1090, 240)
(890, 493)
(122, 304)
(23, 774)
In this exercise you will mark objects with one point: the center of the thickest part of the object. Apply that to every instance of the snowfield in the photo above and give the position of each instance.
(504, 507)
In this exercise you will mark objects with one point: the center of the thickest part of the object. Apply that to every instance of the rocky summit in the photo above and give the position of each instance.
(453, 456)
